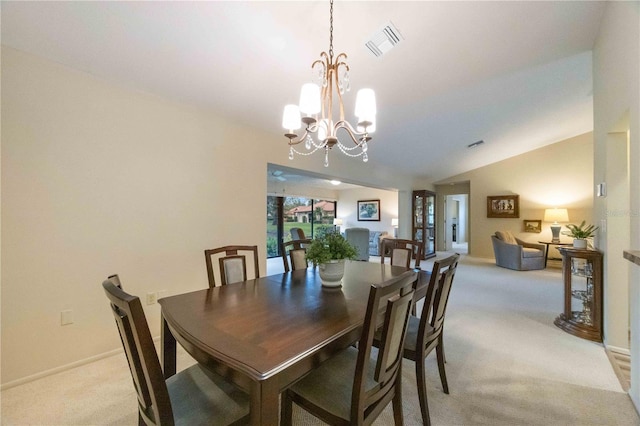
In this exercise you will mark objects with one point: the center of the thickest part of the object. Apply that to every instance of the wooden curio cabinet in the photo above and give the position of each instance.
(582, 274)
(424, 221)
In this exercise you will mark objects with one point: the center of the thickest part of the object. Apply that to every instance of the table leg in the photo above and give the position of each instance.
(546, 255)
(168, 344)
(265, 403)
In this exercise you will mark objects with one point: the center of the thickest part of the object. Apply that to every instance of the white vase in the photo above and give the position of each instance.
(579, 243)
(331, 273)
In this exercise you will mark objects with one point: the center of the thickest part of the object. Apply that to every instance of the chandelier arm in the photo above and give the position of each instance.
(342, 124)
(341, 57)
(312, 128)
(328, 99)
(340, 103)
(302, 138)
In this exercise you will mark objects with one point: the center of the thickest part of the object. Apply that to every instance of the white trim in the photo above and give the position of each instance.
(60, 369)
(65, 367)
(618, 350)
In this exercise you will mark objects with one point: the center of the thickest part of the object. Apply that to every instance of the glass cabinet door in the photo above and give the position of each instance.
(424, 221)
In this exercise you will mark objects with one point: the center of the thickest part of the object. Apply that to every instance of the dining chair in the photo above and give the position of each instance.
(426, 333)
(401, 252)
(232, 261)
(194, 396)
(356, 385)
(295, 257)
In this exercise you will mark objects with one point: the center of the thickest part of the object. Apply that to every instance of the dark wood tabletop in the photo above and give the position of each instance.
(265, 334)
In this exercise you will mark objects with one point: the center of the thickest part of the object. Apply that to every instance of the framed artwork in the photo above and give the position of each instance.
(532, 226)
(503, 206)
(369, 210)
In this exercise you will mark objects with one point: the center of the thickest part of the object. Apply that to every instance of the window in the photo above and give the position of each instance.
(313, 216)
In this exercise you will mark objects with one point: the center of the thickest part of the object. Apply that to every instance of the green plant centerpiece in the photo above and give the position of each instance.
(329, 252)
(580, 233)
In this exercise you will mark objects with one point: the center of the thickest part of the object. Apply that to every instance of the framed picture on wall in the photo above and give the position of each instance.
(532, 226)
(369, 210)
(503, 206)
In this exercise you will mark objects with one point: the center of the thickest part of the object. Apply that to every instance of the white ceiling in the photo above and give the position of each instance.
(514, 74)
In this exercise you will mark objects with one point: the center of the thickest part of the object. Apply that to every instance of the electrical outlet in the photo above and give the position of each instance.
(152, 298)
(66, 317)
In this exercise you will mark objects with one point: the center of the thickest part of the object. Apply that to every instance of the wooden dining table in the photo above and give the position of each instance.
(265, 334)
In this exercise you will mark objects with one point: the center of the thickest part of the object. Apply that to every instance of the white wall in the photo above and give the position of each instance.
(616, 72)
(347, 208)
(559, 175)
(98, 179)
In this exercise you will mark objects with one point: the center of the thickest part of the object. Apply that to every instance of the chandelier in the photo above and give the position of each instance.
(316, 110)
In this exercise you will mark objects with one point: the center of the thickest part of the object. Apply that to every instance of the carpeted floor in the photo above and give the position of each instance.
(507, 364)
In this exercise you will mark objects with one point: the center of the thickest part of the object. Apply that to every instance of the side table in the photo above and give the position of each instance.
(546, 248)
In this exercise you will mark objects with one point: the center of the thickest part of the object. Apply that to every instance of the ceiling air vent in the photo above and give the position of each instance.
(384, 40)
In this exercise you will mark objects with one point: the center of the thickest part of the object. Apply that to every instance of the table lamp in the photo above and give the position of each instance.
(394, 223)
(337, 223)
(556, 215)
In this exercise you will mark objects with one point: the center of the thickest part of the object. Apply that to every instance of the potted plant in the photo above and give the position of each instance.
(329, 251)
(580, 233)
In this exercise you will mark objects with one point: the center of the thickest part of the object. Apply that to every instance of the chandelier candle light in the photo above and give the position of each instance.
(318, 99)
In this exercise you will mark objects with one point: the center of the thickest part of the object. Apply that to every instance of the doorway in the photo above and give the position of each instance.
(456, 223)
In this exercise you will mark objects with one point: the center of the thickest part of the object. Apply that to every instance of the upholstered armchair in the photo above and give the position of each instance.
(513, 253)
(375, 242)
(359, 237)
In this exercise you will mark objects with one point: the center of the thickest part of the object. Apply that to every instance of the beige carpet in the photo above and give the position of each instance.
(507, 364)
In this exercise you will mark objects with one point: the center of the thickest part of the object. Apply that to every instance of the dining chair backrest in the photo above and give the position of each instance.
(394, 298)
(115, 279)
(154, 405)
(232, 264)
(435, 305)
(294, 254)
(401, 252)
(297, 234)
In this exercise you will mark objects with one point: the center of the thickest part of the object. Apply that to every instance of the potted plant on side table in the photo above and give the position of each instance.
(581, 234)
(330, 251)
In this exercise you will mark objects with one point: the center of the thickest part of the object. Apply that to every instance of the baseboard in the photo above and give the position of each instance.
(623, 351)
(62, 368)
(620, 362)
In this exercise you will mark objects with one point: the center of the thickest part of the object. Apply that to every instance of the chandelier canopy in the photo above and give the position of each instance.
(316, 109)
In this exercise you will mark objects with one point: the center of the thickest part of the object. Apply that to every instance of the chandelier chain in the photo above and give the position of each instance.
(331, 31)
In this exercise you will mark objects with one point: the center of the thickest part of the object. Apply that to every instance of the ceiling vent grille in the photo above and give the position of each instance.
(384, 40)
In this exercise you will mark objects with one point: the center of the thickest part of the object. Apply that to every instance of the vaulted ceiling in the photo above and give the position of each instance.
(514, 74)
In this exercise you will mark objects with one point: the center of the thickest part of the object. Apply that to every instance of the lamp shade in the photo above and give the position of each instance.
(337, 221)
(394, 221)
(310, 99)
(291, 117)
(366, 105)
(556, 215)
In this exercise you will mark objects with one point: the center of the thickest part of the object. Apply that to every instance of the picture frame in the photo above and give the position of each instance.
(532, 225)
(369, 210)
(503, 206)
